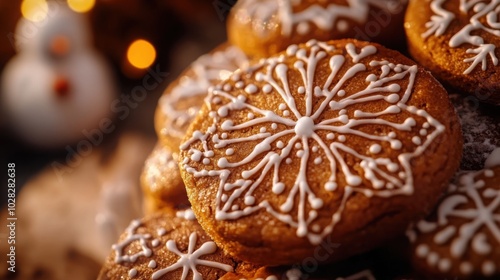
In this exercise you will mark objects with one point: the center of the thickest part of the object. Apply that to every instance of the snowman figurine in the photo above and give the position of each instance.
(57, 86)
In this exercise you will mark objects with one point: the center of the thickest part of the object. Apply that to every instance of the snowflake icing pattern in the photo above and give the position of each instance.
(479, 209)
(313, 134)
(488, 10)
(131, 237)
(191, 259)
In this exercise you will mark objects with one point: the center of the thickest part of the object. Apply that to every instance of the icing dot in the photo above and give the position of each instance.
(300, 153)
(132, 273)
(341, 93)
(330, 136)
(251, 115)
(318, 160)
(223, 198)
(396, 144)
(278, 188)
(330, 186)
(263, 130)
(280, 144)
(342, 26)
(235, 207)
(341, 138)
(304, 127)
(416, 140)
(229, 152)
(239, 85)
(316, 203)
(288, 160)
(274, 126)
(286, 113)
(423, 132)
(282, 106)
(488, 268)
(466, 268)
(426, 125)
(422, 250)
(375, 149)
(301, 90)
(298, 145)
(161, 231)
(316, 228)
(267, 88)
(152, 264)
(155, 243)
(223, 135)
(303, 28)
(206, 161)
(489, 173)
(432, 259)
(227, 87)
(392, 167)
(394, 88)
(315, 149)
(249, 200)
(251, 89)
(392, 134)
(444, 265)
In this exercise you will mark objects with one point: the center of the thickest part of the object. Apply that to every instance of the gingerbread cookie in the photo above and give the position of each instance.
(161, 181)
(344, 141)
(462, 238)
(457, 40)
(480, 128)
(264, 27)
(168, 245)
(183, 98)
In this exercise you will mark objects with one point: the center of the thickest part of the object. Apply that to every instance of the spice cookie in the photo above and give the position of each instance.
(182, 100)
(343, 141)
(462, 238)
(264, 27)
(457, 40)
(168, 245)
(480, 128)
(161, 181)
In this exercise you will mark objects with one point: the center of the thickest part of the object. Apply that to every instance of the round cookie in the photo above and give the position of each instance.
(343, 141)
(457, 40)
(161, 181)
(182, 99)
(264, 27)
(172, 245)
(461, 240)
(480, 127)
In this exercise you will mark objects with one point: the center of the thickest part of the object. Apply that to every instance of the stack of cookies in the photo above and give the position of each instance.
(294, 143)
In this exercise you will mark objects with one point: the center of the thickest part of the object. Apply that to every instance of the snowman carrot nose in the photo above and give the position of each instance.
(59, 46)
(61, 87)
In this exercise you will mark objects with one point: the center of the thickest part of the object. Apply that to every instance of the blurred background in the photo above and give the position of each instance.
(79, 83)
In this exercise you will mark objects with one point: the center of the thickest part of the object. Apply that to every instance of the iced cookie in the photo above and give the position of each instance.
(344, 141)
(184, 97)
(172, 245)
(480, 128)
(461, 240)
(161, 181)
(457, 40)
(264, 27)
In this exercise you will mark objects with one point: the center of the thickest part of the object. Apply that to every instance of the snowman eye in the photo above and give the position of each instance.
(59, 46)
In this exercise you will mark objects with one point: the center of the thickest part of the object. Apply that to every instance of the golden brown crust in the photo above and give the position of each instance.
(260, 27)
(183, 97)
(448, 63)
(161, 181)
(458, 241)
(366, 221)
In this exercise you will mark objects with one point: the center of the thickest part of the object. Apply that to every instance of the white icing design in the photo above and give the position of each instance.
(365, 275)
(478, 209)
(190, 260)
(208, 69)
(132, 273)
(186, 214)
(484, 12)
(268, 13)
(131, 237)
(494, 159)
(299, 133)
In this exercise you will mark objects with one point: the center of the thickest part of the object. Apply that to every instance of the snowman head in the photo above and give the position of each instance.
(60, 33)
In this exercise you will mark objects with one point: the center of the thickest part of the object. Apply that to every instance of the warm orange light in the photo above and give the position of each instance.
(141, 54)
(81, 6)
(34, 10)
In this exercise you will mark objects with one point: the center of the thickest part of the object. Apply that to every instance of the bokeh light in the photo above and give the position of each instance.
(141, 54)
(34, 10)
(81, 6)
